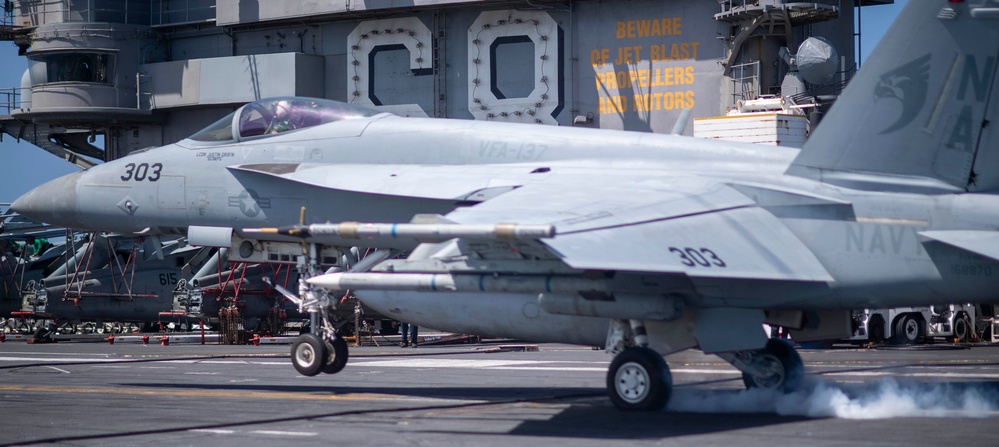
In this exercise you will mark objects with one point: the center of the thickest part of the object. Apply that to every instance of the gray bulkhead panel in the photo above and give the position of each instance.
(242, 12)
(233, 79)
(632, 68)
(589, 63)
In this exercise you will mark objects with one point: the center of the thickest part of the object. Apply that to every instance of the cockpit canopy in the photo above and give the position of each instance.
(272, 116)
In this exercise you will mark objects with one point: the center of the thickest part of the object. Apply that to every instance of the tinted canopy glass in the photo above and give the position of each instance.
(278, 115)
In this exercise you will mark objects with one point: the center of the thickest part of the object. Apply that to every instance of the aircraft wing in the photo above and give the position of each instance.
(689, 225)
(985, 243)
(19, 228)
(603, 220)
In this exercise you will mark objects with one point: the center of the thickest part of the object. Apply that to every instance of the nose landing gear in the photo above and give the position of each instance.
(311, 355)
(323, 350)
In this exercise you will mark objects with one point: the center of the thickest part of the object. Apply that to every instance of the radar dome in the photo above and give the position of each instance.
(817, 60)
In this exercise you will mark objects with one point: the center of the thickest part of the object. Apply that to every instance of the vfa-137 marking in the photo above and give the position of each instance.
(644, 244)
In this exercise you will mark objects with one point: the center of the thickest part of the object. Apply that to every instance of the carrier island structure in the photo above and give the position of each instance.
(143, 73)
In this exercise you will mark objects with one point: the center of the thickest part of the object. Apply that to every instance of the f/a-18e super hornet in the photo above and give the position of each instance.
(645, 244)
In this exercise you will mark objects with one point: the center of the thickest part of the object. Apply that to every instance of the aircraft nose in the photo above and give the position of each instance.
(54, 202)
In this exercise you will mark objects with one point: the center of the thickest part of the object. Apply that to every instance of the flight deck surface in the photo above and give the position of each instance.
(85, 394)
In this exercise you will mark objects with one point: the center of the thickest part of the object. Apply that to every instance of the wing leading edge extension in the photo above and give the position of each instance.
(463, 182)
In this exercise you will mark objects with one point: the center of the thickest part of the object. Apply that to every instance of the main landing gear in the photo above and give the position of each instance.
(775, 367)
(639, 379)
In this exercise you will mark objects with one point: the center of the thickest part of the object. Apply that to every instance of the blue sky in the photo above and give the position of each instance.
(25, 166)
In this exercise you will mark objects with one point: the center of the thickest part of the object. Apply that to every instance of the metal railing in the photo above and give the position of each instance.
(8, 14)
(728, 5)
(10, 100)
(745, 81)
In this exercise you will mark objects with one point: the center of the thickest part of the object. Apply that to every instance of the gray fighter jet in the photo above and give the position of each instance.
(644, 244)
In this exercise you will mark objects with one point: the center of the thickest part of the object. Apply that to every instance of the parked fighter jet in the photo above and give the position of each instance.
(646, 244)
(101, 279)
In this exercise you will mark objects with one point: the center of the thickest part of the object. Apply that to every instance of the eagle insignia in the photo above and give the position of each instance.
(907, 85)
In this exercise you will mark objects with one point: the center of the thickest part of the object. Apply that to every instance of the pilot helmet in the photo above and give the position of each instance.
(282, 108)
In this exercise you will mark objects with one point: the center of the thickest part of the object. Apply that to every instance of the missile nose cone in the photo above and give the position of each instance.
(54, 202)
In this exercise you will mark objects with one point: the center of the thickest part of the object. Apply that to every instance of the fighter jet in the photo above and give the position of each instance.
(101, 279)
(644, 244)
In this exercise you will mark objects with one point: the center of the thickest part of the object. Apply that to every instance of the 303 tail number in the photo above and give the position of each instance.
(698, 257)
(142, 171)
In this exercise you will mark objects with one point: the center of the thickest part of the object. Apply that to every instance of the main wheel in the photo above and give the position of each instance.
(338, 356)
(782, 368)
(44, 331)
(309, 354)
(639, 380)
(962, 329)
(906, 330)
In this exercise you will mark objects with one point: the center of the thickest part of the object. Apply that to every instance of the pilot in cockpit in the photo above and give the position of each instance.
(279, 115)
(283, 118)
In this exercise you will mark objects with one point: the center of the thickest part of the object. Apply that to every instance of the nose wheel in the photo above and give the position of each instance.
(337, 356)
(312, 355)
(309, 354)
(639, 380)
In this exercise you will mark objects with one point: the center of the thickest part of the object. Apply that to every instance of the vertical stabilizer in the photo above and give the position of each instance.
(917, 115)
